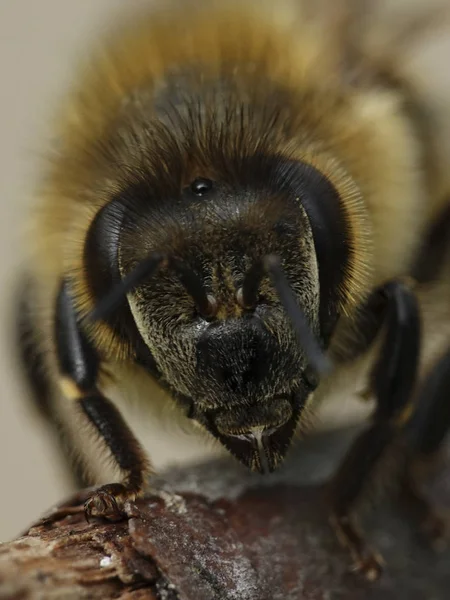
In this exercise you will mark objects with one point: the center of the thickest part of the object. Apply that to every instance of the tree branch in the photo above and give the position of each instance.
(224, 535)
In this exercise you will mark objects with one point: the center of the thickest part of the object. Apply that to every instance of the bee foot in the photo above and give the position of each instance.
(108, 502)
(431, 517)
(366, 561)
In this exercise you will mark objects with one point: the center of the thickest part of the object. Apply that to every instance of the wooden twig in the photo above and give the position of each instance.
(213, 532)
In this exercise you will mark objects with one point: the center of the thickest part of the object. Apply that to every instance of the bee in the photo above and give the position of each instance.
(241, 202)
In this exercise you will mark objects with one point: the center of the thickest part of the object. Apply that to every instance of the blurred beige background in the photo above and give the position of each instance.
(39, 43)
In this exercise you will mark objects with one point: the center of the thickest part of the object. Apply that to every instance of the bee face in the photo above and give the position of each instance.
(239, 368)
(236, 365)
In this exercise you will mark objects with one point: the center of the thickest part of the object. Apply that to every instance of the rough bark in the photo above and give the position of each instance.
(217, 532)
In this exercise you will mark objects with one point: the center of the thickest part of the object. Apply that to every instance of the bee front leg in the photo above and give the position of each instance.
(79, 368)
(391, 381)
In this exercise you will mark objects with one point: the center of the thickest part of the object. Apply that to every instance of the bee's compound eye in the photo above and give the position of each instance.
(201, 186)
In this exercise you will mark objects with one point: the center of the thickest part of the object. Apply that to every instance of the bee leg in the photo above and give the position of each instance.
(32, 358)
(425, 434)
(79, 367)
(392, 380)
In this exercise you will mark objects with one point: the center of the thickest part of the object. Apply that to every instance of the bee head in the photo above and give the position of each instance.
(229, 291)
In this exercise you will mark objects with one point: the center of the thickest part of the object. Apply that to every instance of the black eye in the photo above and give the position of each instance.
(201, 186)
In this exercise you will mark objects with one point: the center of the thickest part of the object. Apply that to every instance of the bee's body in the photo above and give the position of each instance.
(273, 112)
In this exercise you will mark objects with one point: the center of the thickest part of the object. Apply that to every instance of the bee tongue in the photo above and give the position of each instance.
(259, 442)
(250, 448)
(261, 449)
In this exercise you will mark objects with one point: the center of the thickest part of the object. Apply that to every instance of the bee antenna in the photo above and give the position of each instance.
(271, 266)
(146, 269)
(112, 301)
(206, 305)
